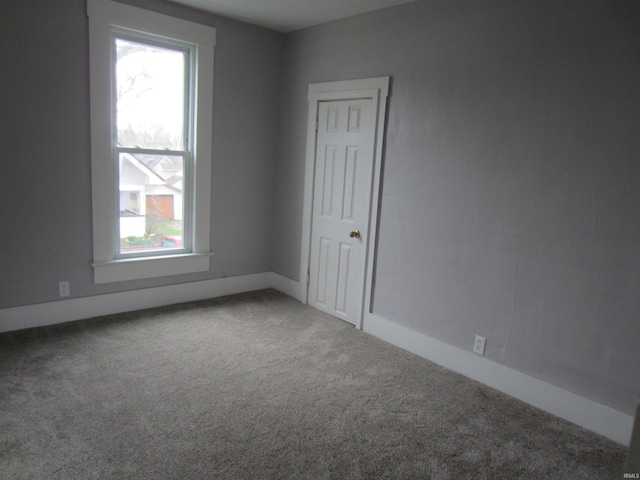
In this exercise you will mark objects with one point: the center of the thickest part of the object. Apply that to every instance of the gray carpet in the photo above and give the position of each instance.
(259, 386)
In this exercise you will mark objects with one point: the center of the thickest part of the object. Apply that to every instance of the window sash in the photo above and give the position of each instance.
(187, 203)
(188, 140)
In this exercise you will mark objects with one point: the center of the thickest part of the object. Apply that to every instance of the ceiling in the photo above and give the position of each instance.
(289, 15)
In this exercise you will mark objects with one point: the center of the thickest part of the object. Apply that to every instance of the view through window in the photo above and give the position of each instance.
(152, 144)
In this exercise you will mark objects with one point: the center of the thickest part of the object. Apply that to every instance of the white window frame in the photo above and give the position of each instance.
(104, 16)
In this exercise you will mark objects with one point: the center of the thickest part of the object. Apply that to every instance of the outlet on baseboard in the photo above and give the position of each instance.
(64, 289)
(479, 344)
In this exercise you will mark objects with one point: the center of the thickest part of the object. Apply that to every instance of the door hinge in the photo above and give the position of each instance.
(308, 277)
(317, 125)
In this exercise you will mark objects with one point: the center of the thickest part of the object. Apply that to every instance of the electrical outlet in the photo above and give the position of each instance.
(478, 346)
(64, 289)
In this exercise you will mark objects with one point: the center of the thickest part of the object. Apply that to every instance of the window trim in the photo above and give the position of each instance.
(103, 16)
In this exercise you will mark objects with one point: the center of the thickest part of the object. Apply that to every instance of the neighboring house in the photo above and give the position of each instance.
(150, 190)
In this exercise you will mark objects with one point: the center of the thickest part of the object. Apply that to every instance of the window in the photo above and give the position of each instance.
(152, 142)
(151, 116)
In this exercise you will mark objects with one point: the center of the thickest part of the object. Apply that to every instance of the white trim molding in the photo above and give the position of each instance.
(51, 313)
(569, 406)
(106, 16)
(286, 286)
(377, 89)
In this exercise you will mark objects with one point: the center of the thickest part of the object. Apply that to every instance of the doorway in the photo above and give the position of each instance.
(344, 153)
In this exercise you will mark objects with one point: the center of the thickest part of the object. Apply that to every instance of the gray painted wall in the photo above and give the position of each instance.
(511, 180)
(45, 220)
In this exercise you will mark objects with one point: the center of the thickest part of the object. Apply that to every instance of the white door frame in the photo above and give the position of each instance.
(377, 89)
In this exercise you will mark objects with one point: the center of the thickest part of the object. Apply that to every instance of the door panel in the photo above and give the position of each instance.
(342, 186)
(350, 175)
(328, 161)
(344, 267)
(323, 267)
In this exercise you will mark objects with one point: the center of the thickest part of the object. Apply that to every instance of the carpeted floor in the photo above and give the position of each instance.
(257, 386)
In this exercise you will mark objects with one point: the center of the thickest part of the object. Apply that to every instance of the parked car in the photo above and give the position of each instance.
(171, 241)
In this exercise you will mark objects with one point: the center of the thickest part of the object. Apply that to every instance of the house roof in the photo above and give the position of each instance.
(162, 168)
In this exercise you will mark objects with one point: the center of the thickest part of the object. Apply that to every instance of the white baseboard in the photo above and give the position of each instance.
(286, 286)
(579, 410)
(564, 404)
(51, 313)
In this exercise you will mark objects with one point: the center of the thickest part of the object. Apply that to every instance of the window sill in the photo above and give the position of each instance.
(150, 267)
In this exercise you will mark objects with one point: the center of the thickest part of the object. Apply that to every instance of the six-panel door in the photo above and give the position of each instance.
(341, 202)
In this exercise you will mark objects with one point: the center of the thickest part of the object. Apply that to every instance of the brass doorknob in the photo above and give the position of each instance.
(355, 234)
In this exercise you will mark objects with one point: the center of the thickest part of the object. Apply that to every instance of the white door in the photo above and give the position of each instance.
(341, 202)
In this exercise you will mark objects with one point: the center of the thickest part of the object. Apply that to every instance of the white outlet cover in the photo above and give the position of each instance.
(64, 289)
(479, 345)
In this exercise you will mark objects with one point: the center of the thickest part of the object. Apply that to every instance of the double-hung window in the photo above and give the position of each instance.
(151, 80)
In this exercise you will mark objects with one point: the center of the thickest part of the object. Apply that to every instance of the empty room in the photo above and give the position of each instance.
(331, 239)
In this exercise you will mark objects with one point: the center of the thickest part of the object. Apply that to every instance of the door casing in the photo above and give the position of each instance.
(377, 89)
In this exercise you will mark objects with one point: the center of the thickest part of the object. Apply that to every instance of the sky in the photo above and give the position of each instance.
(152, 81)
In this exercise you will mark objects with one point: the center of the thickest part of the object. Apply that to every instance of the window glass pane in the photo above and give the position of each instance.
(150, 95)
(151, 199)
